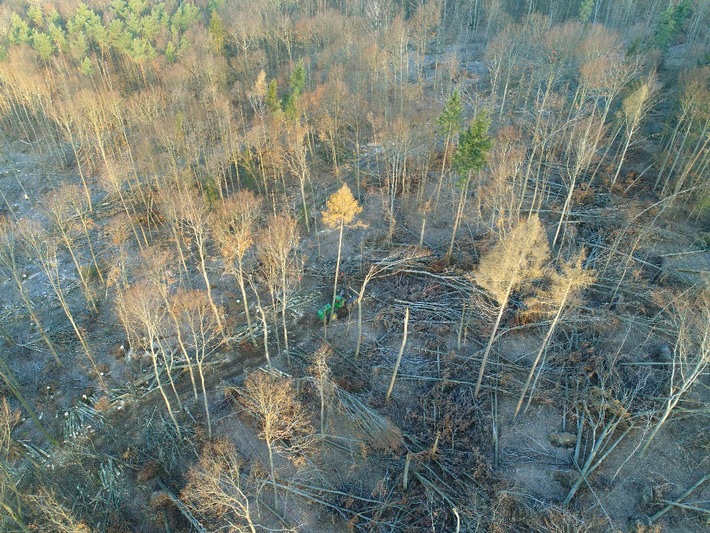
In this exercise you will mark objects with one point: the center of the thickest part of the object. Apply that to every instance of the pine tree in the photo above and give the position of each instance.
(470, 157)
(449, 124)
(296, 83)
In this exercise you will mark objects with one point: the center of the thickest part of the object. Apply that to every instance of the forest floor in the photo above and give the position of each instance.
(358, 463)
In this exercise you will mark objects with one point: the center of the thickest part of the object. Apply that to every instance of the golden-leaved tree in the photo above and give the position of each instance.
(564, 288)
(341, 210)
(516, 260)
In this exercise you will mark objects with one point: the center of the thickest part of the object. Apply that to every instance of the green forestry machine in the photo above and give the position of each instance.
(325, 311)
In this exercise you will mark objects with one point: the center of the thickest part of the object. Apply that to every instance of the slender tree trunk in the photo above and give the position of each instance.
(11, 383)
(270, 446)
(91, 249)
(492, 338)
(621, 157)
(154, 358)
(85, 284)
(266, 335)
(203, 268)
(678, 155)
(242, 288)
(337, 269)
(302, 181)
(321, 391)
(283, 315)
(185, 353)
(359, 314)
(35, 320)
(84, 185)
(168, 360)
(543, 347)
(565, 207)
(698, 151)
(204, 396)
(443, 170)
(459, 214)
(399, 356)
(79, 334)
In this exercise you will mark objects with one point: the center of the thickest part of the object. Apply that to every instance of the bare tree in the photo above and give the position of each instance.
(580, 150)
(45, 249)
(513, 262)
(61, 213)
(397, 139)
(54, 515)
(634, 108)
(9, 261)
(143, 314)
(320, 371)
(155, 269)
(10, 496)
(200, 332)
(65, 114)
(171, 216)
(234, 232)
(297, 160)
(276, 249)
(215, 489)
(272, 402)
(502, 193)
(685, 150)
(332, 107)
(691, 354)
(195, 215)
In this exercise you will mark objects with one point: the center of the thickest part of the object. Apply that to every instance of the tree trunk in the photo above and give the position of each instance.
(399, 356)
(168, 360)
(337, 269)
(359, 313)
(87, 290)
(283, 322)
(459, 213)
(270, 446)
(565, 207)
(35, 320)
(321, 391)
(266, 335)
(492, 338)
(154, 357)
(242, 288)
(10, 382)
(443, 169)
(204, 396)
(200, 249)
(543, 347)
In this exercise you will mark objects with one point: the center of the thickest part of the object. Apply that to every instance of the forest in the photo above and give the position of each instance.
(364, 266)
